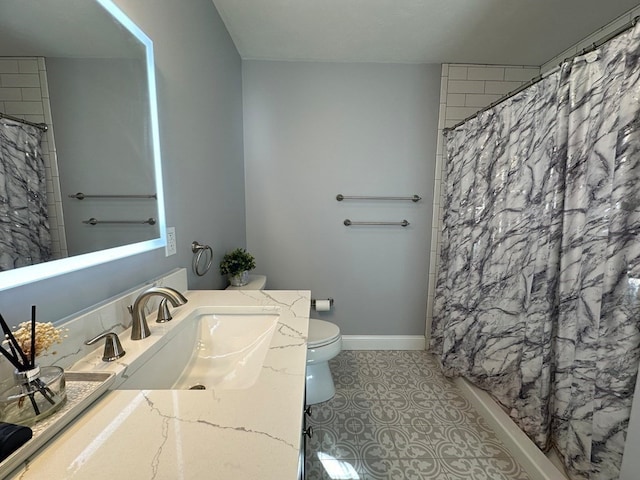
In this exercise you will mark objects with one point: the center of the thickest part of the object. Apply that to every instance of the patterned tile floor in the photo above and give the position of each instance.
(395, 416)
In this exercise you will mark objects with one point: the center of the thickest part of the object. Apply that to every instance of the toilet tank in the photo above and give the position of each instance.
(256, 282)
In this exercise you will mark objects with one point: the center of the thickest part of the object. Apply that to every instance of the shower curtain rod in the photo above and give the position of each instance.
(41, 126)
(538, 78)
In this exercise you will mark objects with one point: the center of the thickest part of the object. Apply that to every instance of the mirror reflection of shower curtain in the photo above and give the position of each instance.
(24, 225)
(537, 298)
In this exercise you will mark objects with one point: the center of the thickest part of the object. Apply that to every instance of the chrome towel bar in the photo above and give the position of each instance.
(82, 196)
(95, 221)
(403, 223)
(340, 197)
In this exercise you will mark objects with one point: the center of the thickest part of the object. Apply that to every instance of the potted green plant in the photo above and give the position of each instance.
(236, 265)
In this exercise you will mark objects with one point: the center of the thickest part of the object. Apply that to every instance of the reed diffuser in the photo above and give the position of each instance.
(37, 391)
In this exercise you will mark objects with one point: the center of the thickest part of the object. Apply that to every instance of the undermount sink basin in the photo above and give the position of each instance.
(209, 350)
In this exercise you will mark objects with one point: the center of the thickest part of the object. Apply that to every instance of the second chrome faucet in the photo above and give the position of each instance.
(139, 326)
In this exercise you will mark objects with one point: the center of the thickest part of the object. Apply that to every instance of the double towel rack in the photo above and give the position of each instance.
(95, 221)
(82, 196)
(403, 223)
(340, 197)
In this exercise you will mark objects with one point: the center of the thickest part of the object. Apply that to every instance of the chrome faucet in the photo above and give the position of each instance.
(139, 326)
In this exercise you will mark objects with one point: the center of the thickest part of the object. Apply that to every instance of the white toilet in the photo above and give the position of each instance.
(324, 343)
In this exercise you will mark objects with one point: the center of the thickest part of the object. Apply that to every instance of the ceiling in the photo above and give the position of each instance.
(512, 32)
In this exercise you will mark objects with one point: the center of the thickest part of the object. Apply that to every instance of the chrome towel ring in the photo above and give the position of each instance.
(198, 252)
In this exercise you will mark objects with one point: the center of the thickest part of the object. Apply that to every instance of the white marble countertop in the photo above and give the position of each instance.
(253, 433)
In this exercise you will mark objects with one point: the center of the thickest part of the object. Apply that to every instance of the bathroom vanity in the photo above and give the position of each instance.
(245, 424)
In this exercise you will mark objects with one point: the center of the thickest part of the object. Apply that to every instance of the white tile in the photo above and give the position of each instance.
(485, 73)
(456, 100)
(444, 82)
(54, 166)
(434, 236)
(429, 306)
(28, 66)
(8, 65)
(44, 85)
(520, 74)
(460, 113)
(57, 194)
(23, 108)
(438, 173)
(450, 123)
(59, 214)
(445, 70)
(7, 94)
(439, 143)
(442, 115)
(457, 73)
(480, 99)
(466, 86)
(501, 87)
(19, 80)
(31, 94)
(35, 118)
(436, 189)
(46, 106)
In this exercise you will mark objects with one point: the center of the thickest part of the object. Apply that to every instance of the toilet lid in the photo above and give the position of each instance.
(322, 333)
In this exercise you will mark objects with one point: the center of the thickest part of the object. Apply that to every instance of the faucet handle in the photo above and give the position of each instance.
(112, 346)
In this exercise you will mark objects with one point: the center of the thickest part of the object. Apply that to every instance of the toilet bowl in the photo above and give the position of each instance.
(324, 343)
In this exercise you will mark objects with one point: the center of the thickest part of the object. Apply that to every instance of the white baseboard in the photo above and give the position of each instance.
(383, 342)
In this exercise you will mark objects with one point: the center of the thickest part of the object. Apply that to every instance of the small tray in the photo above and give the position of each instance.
(83, 388)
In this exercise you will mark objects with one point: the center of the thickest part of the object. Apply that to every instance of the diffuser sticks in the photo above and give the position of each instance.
(21, 363)
(27, 371)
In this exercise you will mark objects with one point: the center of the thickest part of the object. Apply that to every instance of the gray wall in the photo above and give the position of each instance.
(313, 130)
(101, 122)
(200, 104)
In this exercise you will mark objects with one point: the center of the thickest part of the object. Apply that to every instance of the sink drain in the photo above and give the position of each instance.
(198, 387)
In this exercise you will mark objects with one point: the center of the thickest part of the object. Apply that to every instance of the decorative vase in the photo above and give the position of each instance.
(239, 280)
(37, 393)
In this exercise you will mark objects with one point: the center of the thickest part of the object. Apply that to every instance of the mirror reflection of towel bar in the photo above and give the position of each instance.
(95, 221)
(403, 223)
(82, 196)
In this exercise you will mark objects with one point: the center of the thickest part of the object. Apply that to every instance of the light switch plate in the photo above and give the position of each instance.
(171, 248)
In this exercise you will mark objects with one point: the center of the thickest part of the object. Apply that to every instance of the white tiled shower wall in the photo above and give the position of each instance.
(24, 93)
(466, 89)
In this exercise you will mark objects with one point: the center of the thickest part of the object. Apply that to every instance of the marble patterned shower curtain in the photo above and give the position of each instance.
(539, 278)
(24, 225)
